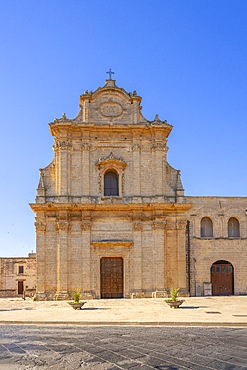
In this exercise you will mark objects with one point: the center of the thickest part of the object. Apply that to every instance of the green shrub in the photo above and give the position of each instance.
(174, 293)
(76, 296)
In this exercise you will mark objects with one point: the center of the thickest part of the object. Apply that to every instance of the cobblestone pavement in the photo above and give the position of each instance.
(112, 347)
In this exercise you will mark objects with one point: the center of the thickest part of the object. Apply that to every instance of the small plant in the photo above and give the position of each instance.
(173, 295)
(76, 296)
(77, 304)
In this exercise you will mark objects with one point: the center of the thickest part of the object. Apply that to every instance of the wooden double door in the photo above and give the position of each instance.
(111, 277)
(222, 278)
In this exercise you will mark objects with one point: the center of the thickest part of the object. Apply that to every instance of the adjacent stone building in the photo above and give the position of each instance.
(112, 219)
(218, 244)
(18, 276)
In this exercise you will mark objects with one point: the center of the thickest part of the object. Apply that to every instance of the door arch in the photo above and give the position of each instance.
(222, 278)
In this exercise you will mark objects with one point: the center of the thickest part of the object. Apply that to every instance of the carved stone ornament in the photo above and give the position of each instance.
(158, 146)
(40, 225)
(85, 225)
(62, 144)
(136, 147)
(171, 224)
(158, 225)
(111, 159)
(111, 109)
(137, 226)
(62, 119)
(62, 225)
(86, 146)
(181, 224)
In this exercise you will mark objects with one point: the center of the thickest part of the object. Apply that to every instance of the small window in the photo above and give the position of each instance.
(21, 270)
(233, 228)
(111, 184)
(206, 227)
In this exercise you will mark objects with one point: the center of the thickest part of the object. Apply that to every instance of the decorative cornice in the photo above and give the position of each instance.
(171, 208)
(112, 243)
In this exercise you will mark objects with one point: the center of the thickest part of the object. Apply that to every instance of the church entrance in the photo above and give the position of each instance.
(111, 277)
(222, 278)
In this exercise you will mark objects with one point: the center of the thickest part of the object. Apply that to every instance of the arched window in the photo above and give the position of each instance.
(111, 184)
(233, 228)
(206, 227)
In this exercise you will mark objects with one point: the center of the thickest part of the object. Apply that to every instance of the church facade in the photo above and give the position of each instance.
(112, 219)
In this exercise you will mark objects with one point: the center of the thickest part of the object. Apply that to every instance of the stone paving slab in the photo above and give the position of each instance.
(145, 311)
(57, 347)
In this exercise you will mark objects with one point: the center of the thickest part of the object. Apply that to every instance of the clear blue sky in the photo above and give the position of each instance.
(187, 59)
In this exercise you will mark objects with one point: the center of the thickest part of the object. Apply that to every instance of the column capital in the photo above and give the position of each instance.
(62, 225)
(40, 225)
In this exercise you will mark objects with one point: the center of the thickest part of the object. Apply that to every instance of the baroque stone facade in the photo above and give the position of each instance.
(111, 216)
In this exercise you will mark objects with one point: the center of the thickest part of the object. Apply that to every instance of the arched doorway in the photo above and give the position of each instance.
(222, 278)
(111, 277)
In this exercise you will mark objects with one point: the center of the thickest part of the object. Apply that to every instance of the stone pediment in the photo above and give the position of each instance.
(111, 160)
(111, 105)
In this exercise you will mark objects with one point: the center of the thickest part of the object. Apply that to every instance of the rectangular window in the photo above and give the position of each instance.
(217, 268)
(21, 270)
(223, 268)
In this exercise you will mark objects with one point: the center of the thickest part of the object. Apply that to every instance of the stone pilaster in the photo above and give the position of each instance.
(157, 161)
(62, 151)
(62, 260)
(136, 188)
(75, 256)
(136, 283)
(175, 250)
(86, 168)
(40, 226)
(86, 259)
(158, 253)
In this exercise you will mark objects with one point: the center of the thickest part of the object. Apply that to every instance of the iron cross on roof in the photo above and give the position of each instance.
(110, 73)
